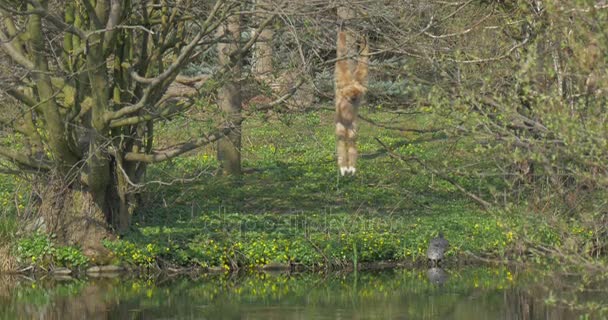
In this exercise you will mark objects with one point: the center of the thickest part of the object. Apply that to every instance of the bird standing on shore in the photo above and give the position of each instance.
(437, 248)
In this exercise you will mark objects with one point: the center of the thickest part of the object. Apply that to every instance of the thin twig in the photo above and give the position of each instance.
(486, 205)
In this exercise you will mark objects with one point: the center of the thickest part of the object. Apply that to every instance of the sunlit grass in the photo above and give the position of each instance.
(291, 206)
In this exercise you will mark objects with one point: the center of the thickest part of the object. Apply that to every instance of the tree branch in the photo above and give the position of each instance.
(58, 23)
(486, 205)
(29, 101)
(23, 160)
(14, 53)
(245, 48)
(113, 20)
(374, 123)
(174, 151)
(171, 71)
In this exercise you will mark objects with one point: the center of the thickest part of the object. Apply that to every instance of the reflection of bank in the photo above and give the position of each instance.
(471, 293)
(437, 276)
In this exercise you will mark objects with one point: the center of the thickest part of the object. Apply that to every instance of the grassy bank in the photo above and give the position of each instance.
(290, 206)
(8, 222)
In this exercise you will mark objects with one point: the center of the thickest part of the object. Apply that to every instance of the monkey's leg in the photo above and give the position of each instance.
(352, 148)
(341, 147)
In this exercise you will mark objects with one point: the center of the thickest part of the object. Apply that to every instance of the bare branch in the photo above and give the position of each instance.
(174, 151)
(14, 53)
(23, 160)
(460, 33)
(171, 71)
(486, 205)
(506, 54)
(372, 122)
(113, 20)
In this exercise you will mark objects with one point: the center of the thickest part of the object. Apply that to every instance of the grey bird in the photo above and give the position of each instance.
(437, 248)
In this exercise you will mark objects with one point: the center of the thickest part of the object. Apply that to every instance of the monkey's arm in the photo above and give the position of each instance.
(343, 75)
(361, 72)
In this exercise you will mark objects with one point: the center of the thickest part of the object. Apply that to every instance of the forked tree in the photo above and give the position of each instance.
(83, 85)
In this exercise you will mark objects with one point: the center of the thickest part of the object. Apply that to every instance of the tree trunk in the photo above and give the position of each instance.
(73, 216)
(229, 147)
(77, 214)
(263, 48)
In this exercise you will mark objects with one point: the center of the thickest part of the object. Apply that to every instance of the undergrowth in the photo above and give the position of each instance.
(290, 205)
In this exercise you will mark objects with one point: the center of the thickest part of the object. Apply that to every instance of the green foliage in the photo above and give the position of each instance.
(70, 257)
(244, 240)
(129, 253)
(38, 250)
(8, 227)
(11, 200)
(294, 208)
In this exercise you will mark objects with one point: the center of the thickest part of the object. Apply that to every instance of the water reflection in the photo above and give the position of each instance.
(437, 276)
(477, 293)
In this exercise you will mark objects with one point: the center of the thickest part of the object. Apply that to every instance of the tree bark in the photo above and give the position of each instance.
(73, 216)
(263, 51)
(57, 137)
(229, 147)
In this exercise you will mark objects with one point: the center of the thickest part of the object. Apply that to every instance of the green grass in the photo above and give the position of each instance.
(292, 170)
(9, 196)
(291, 205)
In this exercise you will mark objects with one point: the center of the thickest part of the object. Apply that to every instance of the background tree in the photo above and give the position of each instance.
(229, 147)
(263, 50)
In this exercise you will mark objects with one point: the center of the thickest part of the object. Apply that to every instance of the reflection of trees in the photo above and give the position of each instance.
(521, 304)
(401, 294)
(53, 301)
(89, 304)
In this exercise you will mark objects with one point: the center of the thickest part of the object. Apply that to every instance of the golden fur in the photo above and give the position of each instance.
(350, 88)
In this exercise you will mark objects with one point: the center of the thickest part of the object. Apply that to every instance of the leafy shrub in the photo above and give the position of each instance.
(70, 257)
(128, 252)
(39, 250)
(36, 249)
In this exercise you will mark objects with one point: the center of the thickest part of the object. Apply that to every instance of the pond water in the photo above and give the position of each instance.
(470, 293)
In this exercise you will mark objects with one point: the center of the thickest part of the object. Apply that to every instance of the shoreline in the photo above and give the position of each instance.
(110, 271)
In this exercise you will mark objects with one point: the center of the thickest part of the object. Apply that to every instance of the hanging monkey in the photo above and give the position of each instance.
(350, 88)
